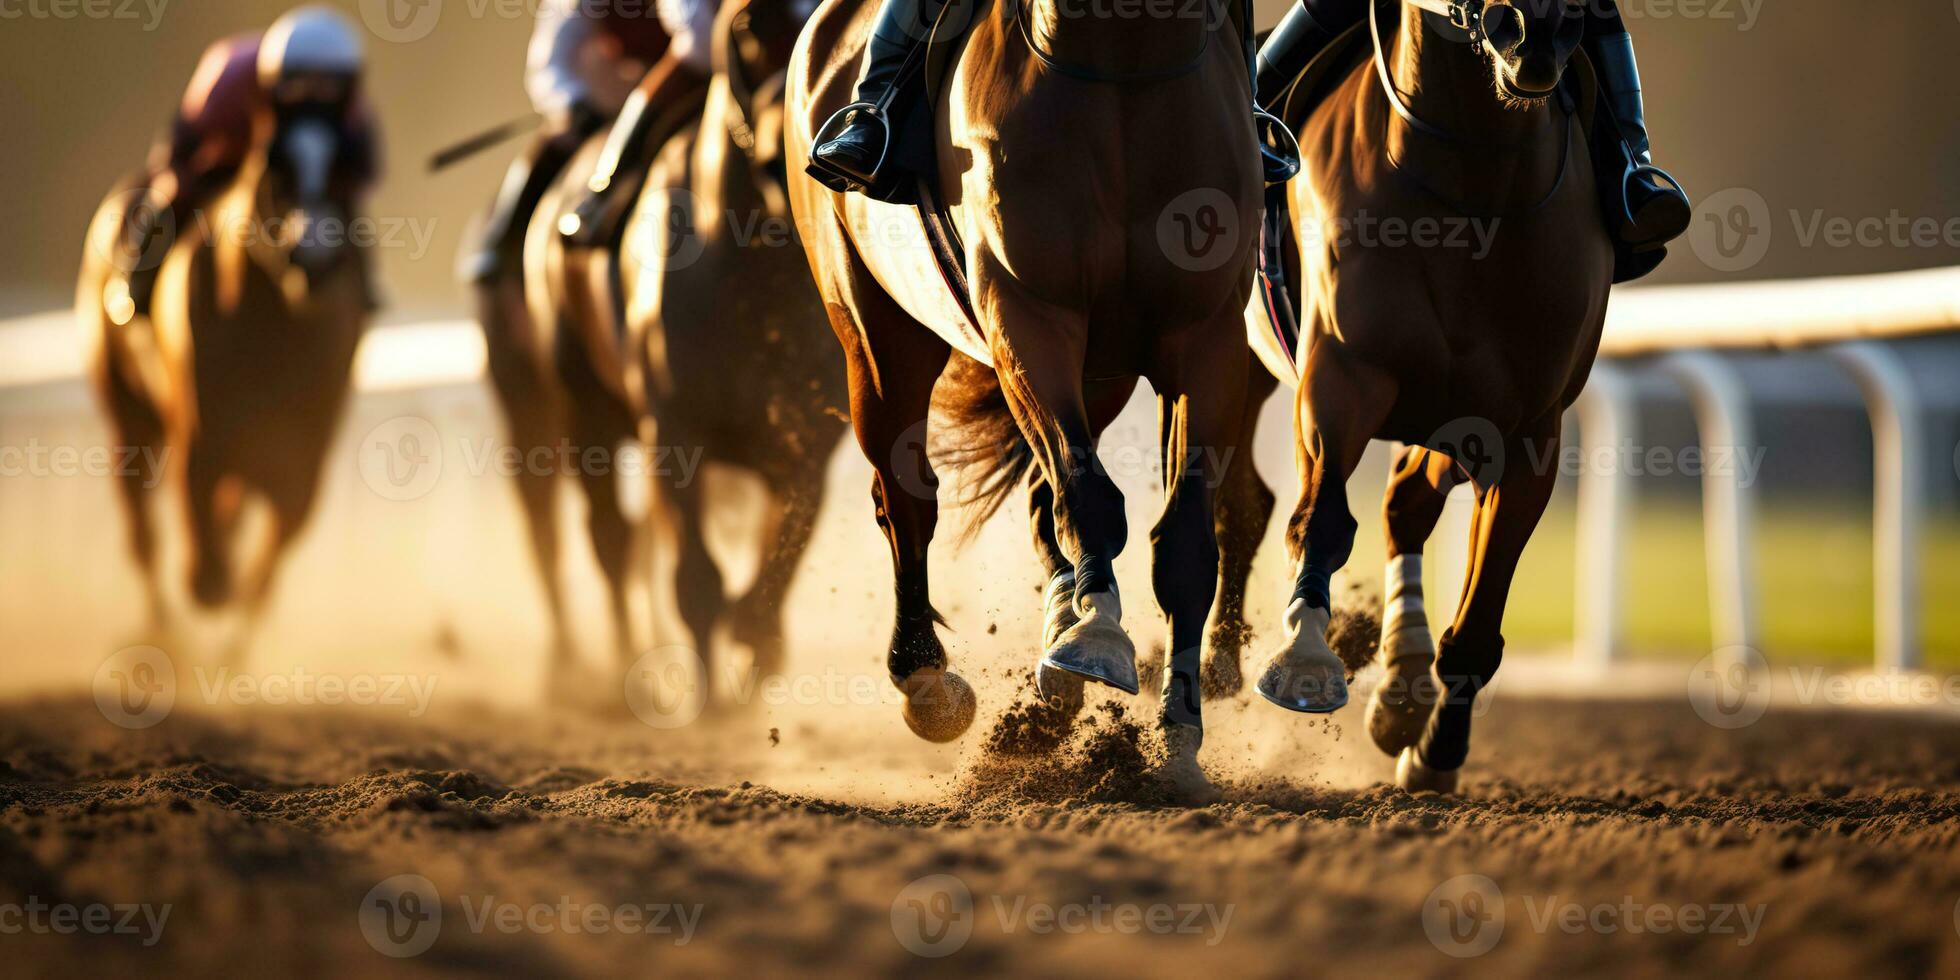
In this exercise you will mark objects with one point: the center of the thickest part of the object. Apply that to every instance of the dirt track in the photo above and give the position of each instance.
(264, 830)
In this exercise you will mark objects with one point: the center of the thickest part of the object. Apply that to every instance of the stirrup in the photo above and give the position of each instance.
(1276, 143)
(837, 178)
(1634, 172)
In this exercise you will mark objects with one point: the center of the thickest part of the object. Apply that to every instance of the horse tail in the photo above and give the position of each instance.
(986, 448)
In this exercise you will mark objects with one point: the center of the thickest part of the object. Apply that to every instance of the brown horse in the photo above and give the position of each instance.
(1467, 348)
(720, 307)
(559, 364)
(238, 379)
(1096, 257)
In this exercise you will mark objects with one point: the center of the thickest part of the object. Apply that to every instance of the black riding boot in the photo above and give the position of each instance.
(1306, 30)
(502, 239)
(850, 159)
(1652, 213)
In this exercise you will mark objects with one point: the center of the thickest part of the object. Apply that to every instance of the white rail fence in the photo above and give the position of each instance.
(1681, 330)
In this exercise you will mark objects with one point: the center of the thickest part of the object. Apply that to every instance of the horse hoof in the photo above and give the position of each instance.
(1399, 708)
(1096, 648)
(939, 704)
(1180, 770)
(1306, 675)
(1058, 688)
(1413, 776)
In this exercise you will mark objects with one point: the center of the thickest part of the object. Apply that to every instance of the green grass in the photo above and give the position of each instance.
(1814, 582)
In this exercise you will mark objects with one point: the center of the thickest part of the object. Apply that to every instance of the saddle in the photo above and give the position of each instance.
(910, 176)
(1276, 292)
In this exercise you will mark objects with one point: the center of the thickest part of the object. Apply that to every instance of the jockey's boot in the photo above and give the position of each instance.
(1300, 37)
(851, 158)
(1655, 210)
(501, 243)
(629, 150)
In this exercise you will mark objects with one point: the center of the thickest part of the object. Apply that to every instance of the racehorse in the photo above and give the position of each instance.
(1096, 256)
(720, 309)
(1469, 359)
(236, 382)
(559, 365)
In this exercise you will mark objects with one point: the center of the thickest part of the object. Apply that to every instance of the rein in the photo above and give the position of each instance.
(1089, 74)
(1466, 15)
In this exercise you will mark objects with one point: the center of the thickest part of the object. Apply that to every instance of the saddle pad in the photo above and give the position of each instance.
(915, 262)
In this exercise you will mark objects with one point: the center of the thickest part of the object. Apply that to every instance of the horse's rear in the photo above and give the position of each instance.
(1098, 254)
(721, 317)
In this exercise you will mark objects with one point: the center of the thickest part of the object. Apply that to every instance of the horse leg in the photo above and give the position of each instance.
(699, 592)
(531, 418)
(613, 536)
(757, 617)
(1201, 395)
(209, 519)
(291, 501)
(1245, 505)
(1039, 359)
(1468, 656)
(139, 431)
(1342, 402)
(1419, 484)
(892, 363)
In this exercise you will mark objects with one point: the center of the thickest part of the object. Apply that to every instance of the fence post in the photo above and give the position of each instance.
(1607, 417)
(1898, 496)
(1723, 418)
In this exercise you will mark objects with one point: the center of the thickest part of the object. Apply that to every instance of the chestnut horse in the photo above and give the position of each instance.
(1097, 255)
(237, 380)
(1469, 359)
(720, 308)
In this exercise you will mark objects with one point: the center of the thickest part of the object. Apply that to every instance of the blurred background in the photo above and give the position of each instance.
(1805, 114)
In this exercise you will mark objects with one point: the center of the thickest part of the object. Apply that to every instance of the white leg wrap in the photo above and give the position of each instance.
(1405, 627)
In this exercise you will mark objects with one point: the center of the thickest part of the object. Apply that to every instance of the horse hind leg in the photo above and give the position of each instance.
(1245, 506)
(1040, 361)
(1201, 415)
(1508, 510)
(1419, 485)
(892, 364)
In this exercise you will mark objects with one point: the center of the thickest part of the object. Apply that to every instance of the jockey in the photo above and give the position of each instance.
(850, 159)
(1660, 213)
(679, 73)
(212, 134)
(579, 72)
